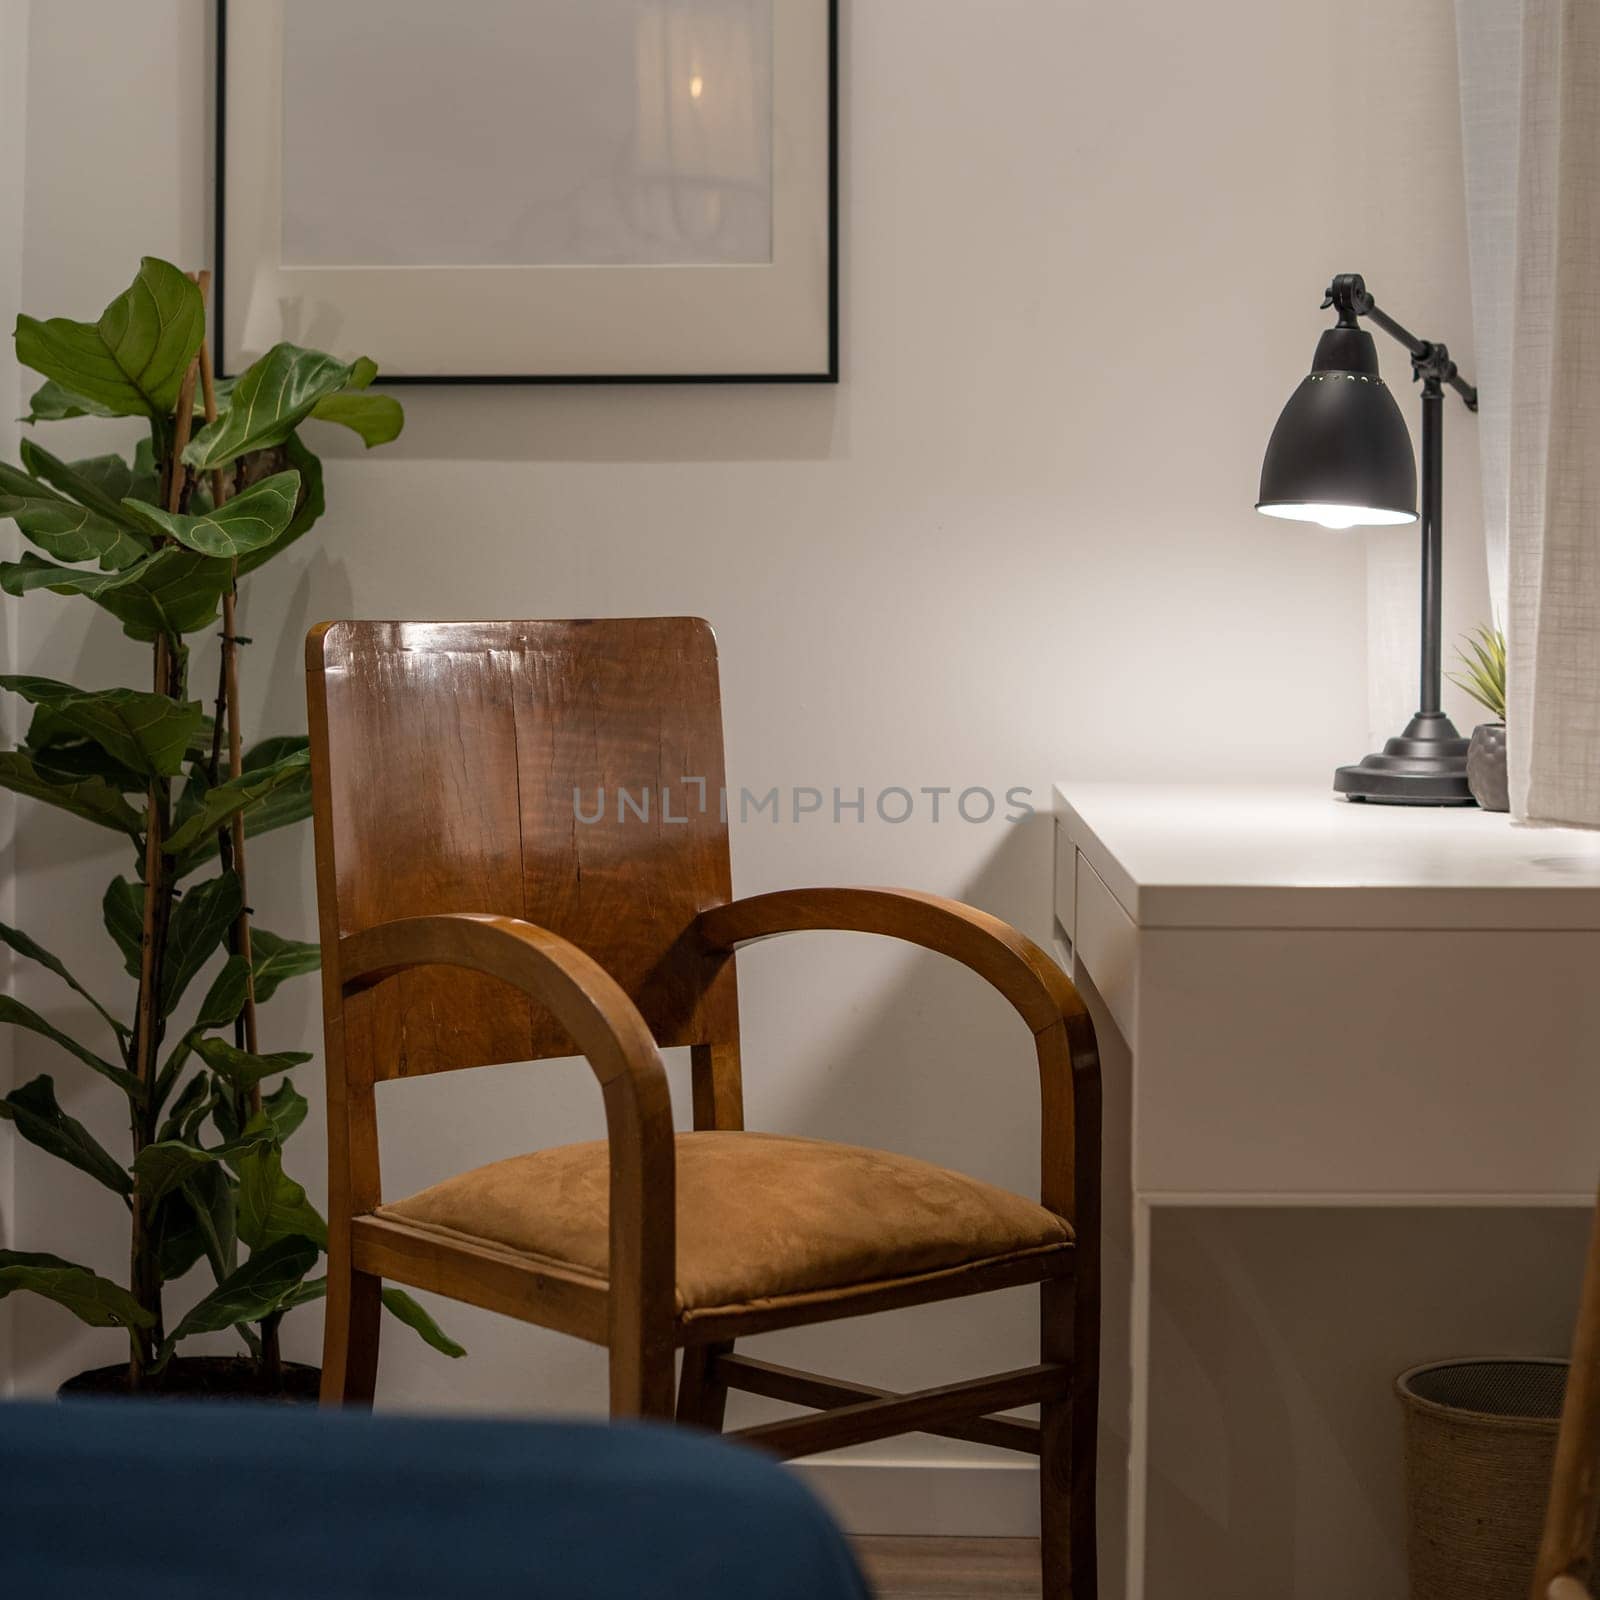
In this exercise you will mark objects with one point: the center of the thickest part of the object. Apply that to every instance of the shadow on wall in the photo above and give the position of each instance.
(616, 422)
(322, 592)
(880, 1074)
(1255, 1486)
(875, 1089)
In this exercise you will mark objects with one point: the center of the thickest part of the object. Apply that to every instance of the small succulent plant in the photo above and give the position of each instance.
(1484, 674)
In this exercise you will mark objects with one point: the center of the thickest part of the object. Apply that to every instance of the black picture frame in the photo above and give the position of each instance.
(830, 374)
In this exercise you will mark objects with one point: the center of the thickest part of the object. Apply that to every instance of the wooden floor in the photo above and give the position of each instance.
(951, 1569)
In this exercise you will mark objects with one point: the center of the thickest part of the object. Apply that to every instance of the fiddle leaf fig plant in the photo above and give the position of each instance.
(219, 483)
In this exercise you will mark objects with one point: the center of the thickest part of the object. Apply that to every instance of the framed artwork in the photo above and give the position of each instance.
(531, 191)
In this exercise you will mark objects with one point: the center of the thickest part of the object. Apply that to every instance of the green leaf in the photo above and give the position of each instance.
(282, 807)
(41, 1121)
(171, 1163)
(69, 532)
(165, 1166)
(304, 1292)
(362, 371)
(196, 785)
(398, 1303)
(133, 360)
(117, 481)
(21, 1016)
(175, 591)
(62, 528)
(285, 1109)
(194, 1221)
(89, 1297)
(272, 1205)
(122, 909)
(238, 794)
(148, 733)
(189, 1106)
(172, 1067)
(77, 484)
(21, 577)
(255, 1290)
(311, 506)
(270, 751)
(93, 799)
(1485, 678)
(276, 960)
(52, 403)
(377, 418)
(199, 925)
(224, 1106)
(241, 1069)
(60, 753)
(211, 1200)
(200, 744)
(267, 403)
(110, 475)
(225, 998)
(247, 522)
(24, 946)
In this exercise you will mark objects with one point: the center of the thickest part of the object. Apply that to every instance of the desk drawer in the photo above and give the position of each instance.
(1107, 945)
(1066, 889)
(1384, 1063)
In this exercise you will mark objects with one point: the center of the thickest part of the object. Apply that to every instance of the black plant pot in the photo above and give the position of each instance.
(1486, 767)
(200, 1378)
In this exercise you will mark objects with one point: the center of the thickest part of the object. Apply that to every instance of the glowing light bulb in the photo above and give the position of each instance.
(696, 87)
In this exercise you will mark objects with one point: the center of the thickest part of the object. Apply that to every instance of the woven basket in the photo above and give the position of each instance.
(1480, 1447)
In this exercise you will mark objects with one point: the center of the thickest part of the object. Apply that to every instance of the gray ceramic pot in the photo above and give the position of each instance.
(1486, 767)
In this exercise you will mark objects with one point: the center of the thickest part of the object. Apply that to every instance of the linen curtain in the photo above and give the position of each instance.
(1530, 104)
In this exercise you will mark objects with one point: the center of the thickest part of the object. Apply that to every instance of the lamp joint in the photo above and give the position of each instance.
(1431, 364)
(1348, 295)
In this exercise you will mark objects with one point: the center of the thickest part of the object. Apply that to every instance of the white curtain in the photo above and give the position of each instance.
(1530, 92)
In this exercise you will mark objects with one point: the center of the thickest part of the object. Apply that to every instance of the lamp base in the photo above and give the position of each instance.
(1424, 766)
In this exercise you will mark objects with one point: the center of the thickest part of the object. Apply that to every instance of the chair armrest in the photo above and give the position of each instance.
(1036, 987)
(582, 995)
(590, 1004)
(1042, 994)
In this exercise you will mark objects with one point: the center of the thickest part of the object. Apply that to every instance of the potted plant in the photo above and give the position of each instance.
(220, 483)
(1484, 678)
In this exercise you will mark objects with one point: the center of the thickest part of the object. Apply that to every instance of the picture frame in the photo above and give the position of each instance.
(633, 191)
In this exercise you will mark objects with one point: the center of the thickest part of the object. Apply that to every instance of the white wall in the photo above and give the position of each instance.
(1083, 250)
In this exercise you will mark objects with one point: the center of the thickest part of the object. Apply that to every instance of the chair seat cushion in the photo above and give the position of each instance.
(761, 1217)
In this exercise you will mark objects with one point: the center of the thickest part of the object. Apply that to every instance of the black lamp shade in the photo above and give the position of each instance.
(1341, 454)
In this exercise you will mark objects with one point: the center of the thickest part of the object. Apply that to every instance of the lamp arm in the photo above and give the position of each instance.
(1430, 362)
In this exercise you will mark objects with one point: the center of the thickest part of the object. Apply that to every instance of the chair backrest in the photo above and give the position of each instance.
(1566, 1551)
(568, 773)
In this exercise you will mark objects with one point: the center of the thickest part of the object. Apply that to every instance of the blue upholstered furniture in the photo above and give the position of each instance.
(137, 1500)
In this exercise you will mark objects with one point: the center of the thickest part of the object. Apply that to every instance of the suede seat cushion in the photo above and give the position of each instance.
(761, 1217)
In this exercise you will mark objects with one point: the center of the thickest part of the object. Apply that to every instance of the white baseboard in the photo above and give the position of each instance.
(994, 1500)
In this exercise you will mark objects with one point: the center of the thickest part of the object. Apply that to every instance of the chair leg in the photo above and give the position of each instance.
(641, 1378)
(350, 1335)
(702, 1395)
(1067, 1447)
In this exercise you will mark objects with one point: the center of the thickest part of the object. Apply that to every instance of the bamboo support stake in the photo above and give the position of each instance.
(270, 1356)
(230, 667)
(157, 909)
(154, 877)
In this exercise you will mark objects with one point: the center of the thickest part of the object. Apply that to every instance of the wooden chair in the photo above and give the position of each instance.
(1566, 1552)
(474, 909)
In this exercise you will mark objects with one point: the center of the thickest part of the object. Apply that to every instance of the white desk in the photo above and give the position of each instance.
(1305, 1003)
